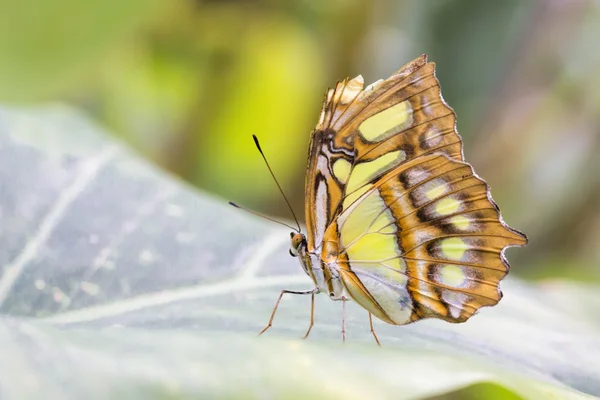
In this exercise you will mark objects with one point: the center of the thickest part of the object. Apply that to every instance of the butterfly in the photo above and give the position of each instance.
(396, 219)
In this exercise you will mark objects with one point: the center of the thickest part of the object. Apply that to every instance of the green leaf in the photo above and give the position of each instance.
(119, 281)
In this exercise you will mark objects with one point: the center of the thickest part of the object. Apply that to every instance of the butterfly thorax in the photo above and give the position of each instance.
(322, 267)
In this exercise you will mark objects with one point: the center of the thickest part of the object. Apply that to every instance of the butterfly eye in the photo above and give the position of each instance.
(298, 242)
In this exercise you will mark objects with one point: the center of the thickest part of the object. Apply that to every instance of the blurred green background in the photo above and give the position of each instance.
(187, 82)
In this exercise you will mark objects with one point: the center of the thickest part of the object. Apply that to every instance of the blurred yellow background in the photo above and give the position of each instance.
(187, 83)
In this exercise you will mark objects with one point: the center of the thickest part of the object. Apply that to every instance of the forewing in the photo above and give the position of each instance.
(323, 192)
(363, 134)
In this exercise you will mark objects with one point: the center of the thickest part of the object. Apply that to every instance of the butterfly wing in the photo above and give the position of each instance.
(413, 231)
(409, 102)
(323, 192)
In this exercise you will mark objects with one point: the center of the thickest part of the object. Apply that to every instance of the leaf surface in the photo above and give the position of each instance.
(118, 280)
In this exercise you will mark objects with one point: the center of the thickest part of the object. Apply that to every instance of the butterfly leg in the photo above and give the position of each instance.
(373, 330)
(312, 314)
(344, 319)
(343, 299)
(302, 292)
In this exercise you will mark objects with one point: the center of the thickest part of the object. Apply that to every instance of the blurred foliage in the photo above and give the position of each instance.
(187, 83)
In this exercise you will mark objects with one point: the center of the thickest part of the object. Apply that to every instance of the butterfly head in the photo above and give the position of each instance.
(298, 244)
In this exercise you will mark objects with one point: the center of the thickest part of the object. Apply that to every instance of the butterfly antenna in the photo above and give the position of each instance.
(277, 182)
(262, 215)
